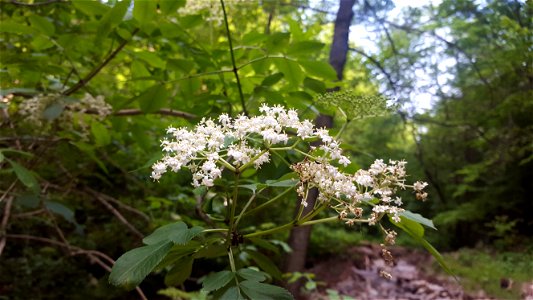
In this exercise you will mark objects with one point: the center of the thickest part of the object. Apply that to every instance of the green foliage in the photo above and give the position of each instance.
(482, 269)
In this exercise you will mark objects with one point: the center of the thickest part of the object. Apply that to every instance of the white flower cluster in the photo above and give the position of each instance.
(33, 109)
(240, 142)
(381, 181)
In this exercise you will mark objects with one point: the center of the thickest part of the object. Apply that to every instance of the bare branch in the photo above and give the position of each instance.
(116, 213)
(98, 68)
(378, 65)
(36, 3)
(5, 221)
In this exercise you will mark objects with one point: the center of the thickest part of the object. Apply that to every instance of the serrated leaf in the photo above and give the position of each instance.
(112, 18)
(211, 251)
(180, 272)
(282, 183)
(263, 291)
(163, 233)
(217, 280)
(144, 11)
(305, 48)
(25, 176)
(184, 236)
(100, 134)
(265, 264)
(251, 274)
(60, 209)
(272, 79)
(42, 24)
(152, 59)
(418, 218)
(291, 69)
(153, 99)
(90, 8)
(53, 111)
(233, 293)
(320, 69)
(170, 6)
(132, 267)
(315, 85)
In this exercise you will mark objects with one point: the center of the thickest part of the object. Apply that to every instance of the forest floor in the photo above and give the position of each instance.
(414, 276)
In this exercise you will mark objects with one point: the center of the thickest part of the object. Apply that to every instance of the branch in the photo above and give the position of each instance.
(163, 111)
(235, 70)
(98, 68)
(378, 65)
(94, 255)
(36, 3)
(5, 220)
(115, 212)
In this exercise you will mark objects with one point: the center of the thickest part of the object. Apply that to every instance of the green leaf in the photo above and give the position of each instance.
(272, 79)
(233, 293)
(315, 85)
(416, 231)
(16, 28)
(53, 111)
(60, 209)
(170, 6)
(264, 244)
(132, 267)
(319, 69)
(112, 18)
(180, 272)
(291, 69)
(305, 48)
(101, 134)
(42, 24)
(265, 264)
(90, 8)
(263, 291)
(163, 233)
(418, 218)
(41, 42)
(251, 274)
(217, 280)
(144, 11)
(153, 99)
(282, 183)
(183, 237)
(25, 176)
(211, 251)
(1, 157)
(152, 59)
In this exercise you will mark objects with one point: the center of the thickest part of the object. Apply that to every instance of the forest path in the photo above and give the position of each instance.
(413, 276)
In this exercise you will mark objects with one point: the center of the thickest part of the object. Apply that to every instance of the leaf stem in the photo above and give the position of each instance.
(268, 202)
(235, 70)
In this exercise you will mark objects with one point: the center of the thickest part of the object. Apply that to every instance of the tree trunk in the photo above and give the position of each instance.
(299, 236)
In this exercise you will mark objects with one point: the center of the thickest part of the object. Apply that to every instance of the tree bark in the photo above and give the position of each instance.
(299, 236)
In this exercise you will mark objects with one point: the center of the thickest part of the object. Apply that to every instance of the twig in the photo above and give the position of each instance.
(235, 70)
(5, 220)
(94, 255)
(163, 111)
(115, 212)
(378, 65)
(36, 3)
(124, 206)
(98, 68)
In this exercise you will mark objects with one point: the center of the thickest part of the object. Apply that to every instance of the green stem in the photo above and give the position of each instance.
(270, 231)
(268, 202)
(215, 230)
(235, 70)
(227, 165)
(245, 208)
(246, 165)
(325, 220)
(231, 260)
(342, 129)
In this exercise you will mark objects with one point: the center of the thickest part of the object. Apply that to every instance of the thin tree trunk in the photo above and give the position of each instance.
(299, 236)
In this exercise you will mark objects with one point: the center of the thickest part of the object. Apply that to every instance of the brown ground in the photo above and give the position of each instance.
(356, 275)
